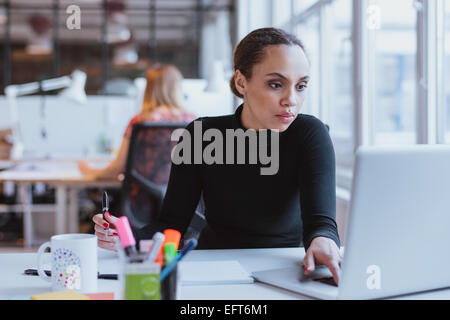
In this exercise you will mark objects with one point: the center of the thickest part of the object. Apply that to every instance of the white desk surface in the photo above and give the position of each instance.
(13, 283)
(53, 171)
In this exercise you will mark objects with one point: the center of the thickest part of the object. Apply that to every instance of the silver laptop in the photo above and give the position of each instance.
(398, 229)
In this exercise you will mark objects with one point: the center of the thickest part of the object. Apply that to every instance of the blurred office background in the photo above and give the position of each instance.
(380, 73)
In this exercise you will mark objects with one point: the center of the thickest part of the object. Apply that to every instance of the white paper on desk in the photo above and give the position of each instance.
(213, 272)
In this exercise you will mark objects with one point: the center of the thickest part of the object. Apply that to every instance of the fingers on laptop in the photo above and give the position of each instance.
(309, 262)
(332, 262)
(333, 266)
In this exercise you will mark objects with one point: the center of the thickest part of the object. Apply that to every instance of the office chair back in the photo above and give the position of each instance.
(147, 170)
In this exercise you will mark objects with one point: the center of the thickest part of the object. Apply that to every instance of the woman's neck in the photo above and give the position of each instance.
(248, 120)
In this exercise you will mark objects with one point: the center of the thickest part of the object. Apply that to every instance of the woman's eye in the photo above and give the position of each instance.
(274, 85)
(302, 87)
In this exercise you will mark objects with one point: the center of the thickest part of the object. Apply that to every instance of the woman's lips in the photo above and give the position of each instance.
(285, 117)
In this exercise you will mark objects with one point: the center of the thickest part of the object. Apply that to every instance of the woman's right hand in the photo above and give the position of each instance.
(100, 224)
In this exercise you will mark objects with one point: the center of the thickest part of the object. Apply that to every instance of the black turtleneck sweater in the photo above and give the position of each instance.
(245, 209)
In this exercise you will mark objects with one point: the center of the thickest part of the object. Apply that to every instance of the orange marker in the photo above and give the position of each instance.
(172, 236)
(159, 258)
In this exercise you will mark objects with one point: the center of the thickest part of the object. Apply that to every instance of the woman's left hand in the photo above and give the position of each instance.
(323, 251)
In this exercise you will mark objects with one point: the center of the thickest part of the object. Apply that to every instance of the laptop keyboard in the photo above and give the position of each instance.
(327, 280)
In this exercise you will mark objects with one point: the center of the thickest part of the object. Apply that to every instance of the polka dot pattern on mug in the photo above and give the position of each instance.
(67, 268)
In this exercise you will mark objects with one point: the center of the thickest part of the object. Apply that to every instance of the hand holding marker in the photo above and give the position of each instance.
(166, 243)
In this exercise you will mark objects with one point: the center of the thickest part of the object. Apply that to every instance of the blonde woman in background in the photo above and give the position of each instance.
(163, 101)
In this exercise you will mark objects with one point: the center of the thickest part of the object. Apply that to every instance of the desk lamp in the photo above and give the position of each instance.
(74, 90)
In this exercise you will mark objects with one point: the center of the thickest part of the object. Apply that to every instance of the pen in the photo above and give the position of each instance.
(105, 209)
(34, 272)
(158, 239)
(190, 244)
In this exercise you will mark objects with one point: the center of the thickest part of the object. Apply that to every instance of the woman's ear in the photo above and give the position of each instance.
(240, 82)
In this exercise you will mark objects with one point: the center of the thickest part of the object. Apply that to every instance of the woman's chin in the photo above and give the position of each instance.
(284, 128)
(281, 126)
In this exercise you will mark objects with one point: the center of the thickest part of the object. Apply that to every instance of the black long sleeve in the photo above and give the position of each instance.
(245, 209)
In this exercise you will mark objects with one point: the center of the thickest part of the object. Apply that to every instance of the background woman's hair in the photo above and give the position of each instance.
(251, 50)
(163, 88)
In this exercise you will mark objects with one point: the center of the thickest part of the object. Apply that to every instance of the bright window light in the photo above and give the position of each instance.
(308, 33)
(394, 48)
(447, 70)
(340, 85)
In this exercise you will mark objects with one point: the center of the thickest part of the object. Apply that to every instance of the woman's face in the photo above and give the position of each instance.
(275, 93)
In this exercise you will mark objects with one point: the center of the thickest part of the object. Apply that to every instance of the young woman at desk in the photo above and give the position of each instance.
(245, 209)
(163, 101)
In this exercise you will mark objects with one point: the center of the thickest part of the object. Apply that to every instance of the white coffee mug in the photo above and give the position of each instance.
(73, 262)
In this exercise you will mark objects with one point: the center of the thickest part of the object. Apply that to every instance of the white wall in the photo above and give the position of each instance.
(75, 130)
(72, 128)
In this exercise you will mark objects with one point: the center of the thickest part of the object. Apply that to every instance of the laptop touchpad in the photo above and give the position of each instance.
(319, 273)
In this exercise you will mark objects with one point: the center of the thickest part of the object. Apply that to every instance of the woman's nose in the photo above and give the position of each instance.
(289, 99)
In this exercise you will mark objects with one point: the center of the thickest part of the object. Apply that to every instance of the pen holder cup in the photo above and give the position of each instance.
(141, 281)
(169, 286)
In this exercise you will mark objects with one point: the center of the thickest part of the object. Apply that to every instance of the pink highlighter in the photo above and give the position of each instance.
(126, 237)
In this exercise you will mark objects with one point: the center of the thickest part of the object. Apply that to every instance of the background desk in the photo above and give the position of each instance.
(13, 283)
(67, 180)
